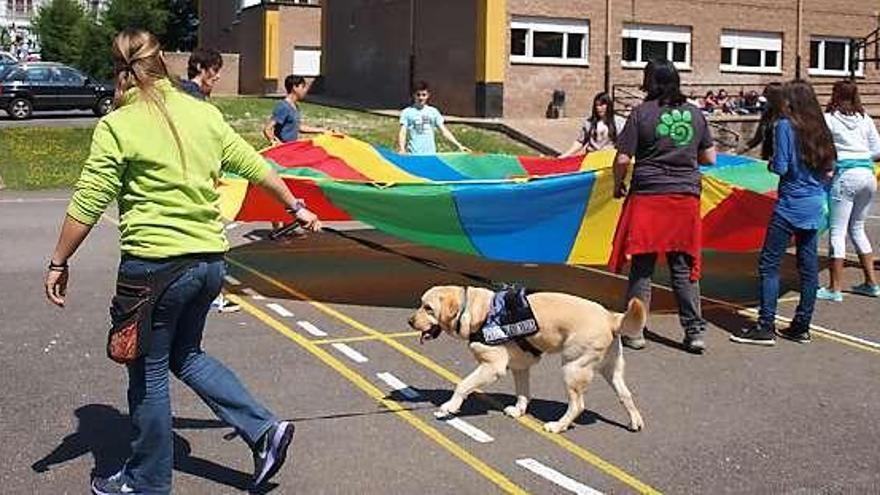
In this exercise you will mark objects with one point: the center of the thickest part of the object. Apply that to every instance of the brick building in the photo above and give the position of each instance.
(273, 38)
(506, 57)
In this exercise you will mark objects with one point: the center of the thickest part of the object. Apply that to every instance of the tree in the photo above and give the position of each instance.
(151, 15)
(59, 26)
(183, 25)
(97, 36)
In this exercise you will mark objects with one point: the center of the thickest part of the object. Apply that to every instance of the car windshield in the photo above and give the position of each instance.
(5, 70)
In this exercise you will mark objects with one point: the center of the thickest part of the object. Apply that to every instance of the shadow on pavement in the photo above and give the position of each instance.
(103, 432)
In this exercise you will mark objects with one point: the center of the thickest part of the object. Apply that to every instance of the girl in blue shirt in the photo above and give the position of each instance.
(803, 157)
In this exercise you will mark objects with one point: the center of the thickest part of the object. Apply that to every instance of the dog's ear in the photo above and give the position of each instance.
(448, 309)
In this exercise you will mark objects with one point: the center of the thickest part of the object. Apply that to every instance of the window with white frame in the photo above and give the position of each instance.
(307, 61)
(751, 51)
(831, 57)
(535, 40)
(643, 42)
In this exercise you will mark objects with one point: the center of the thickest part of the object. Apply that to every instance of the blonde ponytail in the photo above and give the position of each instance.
(138, 63)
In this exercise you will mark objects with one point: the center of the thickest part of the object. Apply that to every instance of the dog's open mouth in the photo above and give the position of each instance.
(430, 334)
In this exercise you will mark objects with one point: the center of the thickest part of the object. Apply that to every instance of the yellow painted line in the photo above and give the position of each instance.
(475, 463)
(528, 422)
(345, 340)
(839, 337)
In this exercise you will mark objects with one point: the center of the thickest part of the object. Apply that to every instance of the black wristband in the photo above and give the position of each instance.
(58, 267)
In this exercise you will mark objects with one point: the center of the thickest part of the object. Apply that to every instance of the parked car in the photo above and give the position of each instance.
(31, 86)
(7, 58)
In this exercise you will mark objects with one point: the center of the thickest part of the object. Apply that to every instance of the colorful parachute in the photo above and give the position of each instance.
(522, 209)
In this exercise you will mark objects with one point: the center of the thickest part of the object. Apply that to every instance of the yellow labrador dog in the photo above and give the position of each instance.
(584, 332)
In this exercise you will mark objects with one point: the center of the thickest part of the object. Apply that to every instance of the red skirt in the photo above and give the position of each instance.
(658, 223)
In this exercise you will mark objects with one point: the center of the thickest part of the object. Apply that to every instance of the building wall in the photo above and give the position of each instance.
(528, 89)
(366, 51)
(447, 63)
(300, 26)
(221, 27)
(228, 83)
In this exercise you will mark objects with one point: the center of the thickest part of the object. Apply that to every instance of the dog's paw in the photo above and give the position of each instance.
(513, 411)
(555, 427)
(446, 411)
(636, 423)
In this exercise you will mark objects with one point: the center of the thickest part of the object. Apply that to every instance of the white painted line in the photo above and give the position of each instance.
(873, 217)
(350, 353)
(753, 312)
(557, 477)
(739, 308)
(254, 294)
(312, 329)
(469, 430)
(231, 280)
(32, 200)
(281, 310)
(398, 386)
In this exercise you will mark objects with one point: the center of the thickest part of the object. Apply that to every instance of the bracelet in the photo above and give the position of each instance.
(296, 206)
(58, 267)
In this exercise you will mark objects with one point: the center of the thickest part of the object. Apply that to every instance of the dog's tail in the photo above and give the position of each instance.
(633, 321)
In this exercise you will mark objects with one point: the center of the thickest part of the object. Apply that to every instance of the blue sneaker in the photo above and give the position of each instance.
(829, 295)
(866, 290)
(271, 451)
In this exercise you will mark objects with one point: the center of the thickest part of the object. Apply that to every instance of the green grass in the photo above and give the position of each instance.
(42, 157)
(45, 158)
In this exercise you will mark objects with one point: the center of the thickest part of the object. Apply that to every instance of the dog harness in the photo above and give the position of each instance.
(510, 318)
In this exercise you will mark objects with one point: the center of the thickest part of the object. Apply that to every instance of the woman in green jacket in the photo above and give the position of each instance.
(160, 155)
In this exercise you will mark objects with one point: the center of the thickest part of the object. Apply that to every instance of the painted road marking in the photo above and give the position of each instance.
(364, 338)
(398, 386)
(833, 334)
(281, 310)
(350, 353)
(556, 477)
(839, 337)
(526, 421)
(372, 391)
(470, 430)
(256, 296)
(27, 201)
(312, 329)
(231, 280)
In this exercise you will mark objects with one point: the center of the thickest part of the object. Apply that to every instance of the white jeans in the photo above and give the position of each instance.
(852, 192)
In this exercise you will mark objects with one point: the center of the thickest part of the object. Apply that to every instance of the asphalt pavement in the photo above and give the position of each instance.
(73, 118)
(322, 339)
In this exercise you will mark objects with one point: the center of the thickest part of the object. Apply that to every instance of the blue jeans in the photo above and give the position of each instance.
(178, 323)
(779, 233)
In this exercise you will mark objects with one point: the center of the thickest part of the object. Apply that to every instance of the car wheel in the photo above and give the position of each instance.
(104, 106)
(20, 109)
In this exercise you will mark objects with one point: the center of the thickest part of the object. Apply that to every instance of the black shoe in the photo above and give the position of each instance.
(795, 334)
(756, 335)
(271, 451)
(111, 486)
(694, 344)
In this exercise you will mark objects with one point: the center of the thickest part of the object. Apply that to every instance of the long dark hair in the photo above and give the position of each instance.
(608, 120)
(775, 96)
(814, 138)
(845, 99)
(662, 83)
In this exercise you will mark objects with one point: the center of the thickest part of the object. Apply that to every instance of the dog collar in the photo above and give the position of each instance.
(461, 311)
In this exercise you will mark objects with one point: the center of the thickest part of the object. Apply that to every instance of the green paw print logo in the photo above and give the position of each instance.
(676, 125)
